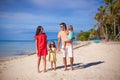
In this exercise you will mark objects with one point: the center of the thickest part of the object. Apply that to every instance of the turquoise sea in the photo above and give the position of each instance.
(10, 48)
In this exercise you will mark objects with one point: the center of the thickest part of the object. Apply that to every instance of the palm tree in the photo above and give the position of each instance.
(113, 11)
(101, 18)
(108, 18)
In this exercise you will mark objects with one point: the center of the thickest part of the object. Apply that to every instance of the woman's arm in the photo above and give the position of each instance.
(36, 46)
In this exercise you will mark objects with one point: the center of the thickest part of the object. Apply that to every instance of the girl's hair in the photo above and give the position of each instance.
(39, 30)
(50, 45)
(70, 28)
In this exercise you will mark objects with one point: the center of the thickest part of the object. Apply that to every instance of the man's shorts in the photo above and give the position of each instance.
(67, 51)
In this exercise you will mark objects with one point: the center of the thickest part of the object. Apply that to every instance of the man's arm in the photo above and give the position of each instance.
(58, 43)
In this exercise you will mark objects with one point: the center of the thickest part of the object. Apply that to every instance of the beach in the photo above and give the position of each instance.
(92, 61)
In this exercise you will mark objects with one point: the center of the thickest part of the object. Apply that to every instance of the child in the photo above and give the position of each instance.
(41, 47)
(70, 36)
(52, 54)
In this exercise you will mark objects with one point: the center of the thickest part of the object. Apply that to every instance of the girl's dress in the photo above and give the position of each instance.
(41, 44)
(52, 55)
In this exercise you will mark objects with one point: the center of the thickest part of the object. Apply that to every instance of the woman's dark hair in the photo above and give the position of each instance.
(39, 30)
(63, 24)
(52, 44)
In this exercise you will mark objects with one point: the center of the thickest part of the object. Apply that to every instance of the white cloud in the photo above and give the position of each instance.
(24, 21)
(64, 3)
(6, 1)
(80, 13)
(33, 18)
(17, 16)
(21, 22)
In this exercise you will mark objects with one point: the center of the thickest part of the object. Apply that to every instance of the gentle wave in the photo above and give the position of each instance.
(18, 47)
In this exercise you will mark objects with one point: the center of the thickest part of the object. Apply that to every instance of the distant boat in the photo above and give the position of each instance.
(96, 40)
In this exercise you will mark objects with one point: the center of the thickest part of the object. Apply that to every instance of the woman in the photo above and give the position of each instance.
(41, 47)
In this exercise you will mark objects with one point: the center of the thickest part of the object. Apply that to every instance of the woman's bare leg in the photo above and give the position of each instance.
(38, 64)
(44, 63)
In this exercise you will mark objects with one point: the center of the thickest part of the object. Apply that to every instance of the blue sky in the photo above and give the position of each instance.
(20, 18)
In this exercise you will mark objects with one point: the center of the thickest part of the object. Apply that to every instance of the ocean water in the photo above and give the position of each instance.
(10, 48)
(16, 47)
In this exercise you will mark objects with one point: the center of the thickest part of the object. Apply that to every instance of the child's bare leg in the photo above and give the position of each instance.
(51, 65)
(66, 43)
(44, 63)
(54, 65)
(38, 64)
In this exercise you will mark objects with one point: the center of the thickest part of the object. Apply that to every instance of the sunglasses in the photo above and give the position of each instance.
(61, 26)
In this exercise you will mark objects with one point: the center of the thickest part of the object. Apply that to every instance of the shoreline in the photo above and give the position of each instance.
(75, 46)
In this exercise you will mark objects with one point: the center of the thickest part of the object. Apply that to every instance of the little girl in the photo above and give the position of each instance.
(52, 54)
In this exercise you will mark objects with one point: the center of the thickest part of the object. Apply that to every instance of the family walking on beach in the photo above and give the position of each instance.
(43, 49)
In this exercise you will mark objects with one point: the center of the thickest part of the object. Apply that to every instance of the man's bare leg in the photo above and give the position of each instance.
(65, 63)
(71, 62)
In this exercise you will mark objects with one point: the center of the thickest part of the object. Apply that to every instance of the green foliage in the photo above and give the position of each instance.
(83, 36)
(108, 22)
(94, 34)
(108, 18)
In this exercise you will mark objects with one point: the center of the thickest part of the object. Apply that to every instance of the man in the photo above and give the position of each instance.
(67, 50)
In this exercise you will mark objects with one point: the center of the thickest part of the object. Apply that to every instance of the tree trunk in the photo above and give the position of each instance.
(114, 29)
(106, 33)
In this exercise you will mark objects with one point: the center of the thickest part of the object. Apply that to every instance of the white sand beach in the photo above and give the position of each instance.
(94, 61)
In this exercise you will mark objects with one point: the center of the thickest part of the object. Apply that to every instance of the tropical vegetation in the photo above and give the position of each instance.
(108, 22)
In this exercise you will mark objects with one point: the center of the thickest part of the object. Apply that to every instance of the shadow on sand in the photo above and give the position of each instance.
(81, 65)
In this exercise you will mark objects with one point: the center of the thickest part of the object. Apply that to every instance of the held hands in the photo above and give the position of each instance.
(58, 49)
